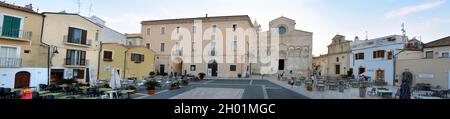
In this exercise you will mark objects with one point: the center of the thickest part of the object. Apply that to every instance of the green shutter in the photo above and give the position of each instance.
(7, 23)
(15, 27)
(11, 26)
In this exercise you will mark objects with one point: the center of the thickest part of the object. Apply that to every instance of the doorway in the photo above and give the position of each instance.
(281, 64)
(213, 67)
(22, 79)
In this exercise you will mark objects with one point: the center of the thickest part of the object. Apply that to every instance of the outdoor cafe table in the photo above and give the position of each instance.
(43, 92)
(105, 89)
(63, 85)
(128, 92)
(384, 93)
(110, 93)
(427, 97)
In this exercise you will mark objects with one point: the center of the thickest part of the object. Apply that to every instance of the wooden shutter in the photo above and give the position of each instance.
(82, 57)
(83, 36)
(132, 57)
(142, 58)
(68, 57)
(70, 35)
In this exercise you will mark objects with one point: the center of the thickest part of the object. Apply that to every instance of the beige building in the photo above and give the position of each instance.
(430, 66)
(157, 34)
(23, 59)
(338, 57)
(129, 61)
(75, 46)
(295, 47)
(320, 64)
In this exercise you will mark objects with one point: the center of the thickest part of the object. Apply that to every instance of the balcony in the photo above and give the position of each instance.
(75, 62)
(177, 53)
(10, 62)
(15, 34)
(75, 43)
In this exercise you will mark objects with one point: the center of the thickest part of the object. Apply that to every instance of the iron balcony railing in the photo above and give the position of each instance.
(67, 40)
(75, 62)
(18, 34)
(6, 62)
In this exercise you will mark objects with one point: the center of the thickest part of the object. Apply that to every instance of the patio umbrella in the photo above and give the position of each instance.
(117, 79)
(92, 76)
(112, 82)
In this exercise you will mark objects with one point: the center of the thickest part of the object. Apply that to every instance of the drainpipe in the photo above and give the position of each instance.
(48, 48)
(395, 63)
(98, 66)
(125, 64)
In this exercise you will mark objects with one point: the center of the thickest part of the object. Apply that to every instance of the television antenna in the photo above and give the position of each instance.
(79, 6)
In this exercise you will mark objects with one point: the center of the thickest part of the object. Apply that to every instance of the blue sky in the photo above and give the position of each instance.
(429, 19)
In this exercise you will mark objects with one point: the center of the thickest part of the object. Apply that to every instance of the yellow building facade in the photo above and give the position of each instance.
(74, 46)
(129, 61)
(23, 60)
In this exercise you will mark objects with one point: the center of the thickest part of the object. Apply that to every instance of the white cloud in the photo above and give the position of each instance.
(413, 9)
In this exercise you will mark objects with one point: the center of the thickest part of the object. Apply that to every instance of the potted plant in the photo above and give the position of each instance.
(151, 86)
(201, 75)
(184, 82)
(132, 88)
(152, 74)
(174, 86)
(362, 89)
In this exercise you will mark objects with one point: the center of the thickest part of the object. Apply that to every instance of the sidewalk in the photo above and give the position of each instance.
(351, 93)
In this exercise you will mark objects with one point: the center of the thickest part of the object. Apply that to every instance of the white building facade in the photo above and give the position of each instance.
(375, 58)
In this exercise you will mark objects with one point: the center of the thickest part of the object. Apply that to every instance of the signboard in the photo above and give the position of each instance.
(425, 76)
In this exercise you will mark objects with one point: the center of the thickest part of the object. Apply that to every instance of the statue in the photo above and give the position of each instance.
(405, 88)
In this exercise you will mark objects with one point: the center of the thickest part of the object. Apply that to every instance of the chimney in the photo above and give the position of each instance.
(356, 38)
(30, 6)
(206, 15)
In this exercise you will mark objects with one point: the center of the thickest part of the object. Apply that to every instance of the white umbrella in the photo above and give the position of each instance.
(112, 82)
(92, 76)
(117, 79)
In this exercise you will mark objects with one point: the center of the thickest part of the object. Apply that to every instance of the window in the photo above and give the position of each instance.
(77, 36)
(379, 75)
(148, 45)
(359, 56)
(193, 47)
(214, 28)
(162, 47)
(194, 29)
(232, 67)
(234, 46)
(107, 55)
(75, 57)
(337, 59)
(193, 67)
(282, 30)
(8, 52)
(445, 55)
(213, 48)
(163, 30)
(429, 55)
(234, 27)
(137, 58)
(78, 73)
(178, 29)
(148, 31)
(96, 36)
(11, 26)
(26, 51)
(338, 69)
(378, 54)
(390, 55)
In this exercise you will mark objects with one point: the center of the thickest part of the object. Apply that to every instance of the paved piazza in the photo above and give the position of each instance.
(211, 93)
(226, 89)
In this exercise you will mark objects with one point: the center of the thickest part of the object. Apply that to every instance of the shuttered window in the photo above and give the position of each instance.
(11, 26)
